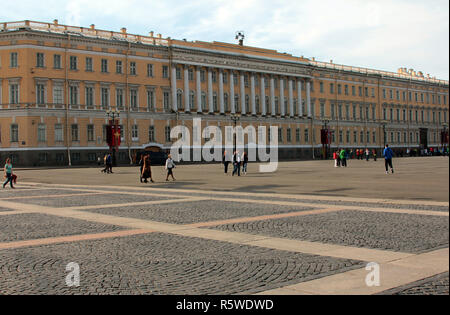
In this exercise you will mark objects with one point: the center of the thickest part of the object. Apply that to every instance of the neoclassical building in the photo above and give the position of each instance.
(57, 83)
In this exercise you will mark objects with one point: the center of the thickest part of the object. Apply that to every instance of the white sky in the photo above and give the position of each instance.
(379, 34)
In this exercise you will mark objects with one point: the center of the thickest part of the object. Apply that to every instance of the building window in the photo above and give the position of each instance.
(14, 133)
(178, 73)
(40, 94)
(165, 72)
(190, 74)
(89, 91)
(58, 133)
(321, 87)
(14, 94)
(134, 99)
(13, 63)
(202, 75)
(341, 139)
(150, 100)
(339, 89)
(105, 98)
(180, 99)
(355, 137)
(203, 101)
(57, 61)
(132, 68)
(347, 136)
(353, 90)
(192, 99)
(280, 134)
(135, 133)
(332, 88)
(360, 90)
(151, 134)
(166, 100)
(118, 66)
(150, 70)
(74, 132)
(92, 157)
(76, 156)
(73, 61)
(167, 133)
(58, 94)
(306, 136)
(332, 111)
(288, 135)
(73, 90)
(89, 64)
(40, 60)
(90, 133)
(119, 98)
(104, 66)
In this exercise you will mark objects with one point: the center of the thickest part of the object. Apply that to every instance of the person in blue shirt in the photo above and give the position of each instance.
(388, 154)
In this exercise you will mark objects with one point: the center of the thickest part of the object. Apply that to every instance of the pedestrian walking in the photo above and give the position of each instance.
(367, 154)
(109, 163)
(342, 156)
(374, 153)
(170, 165)
(244, 163)
(141, 166)
(105, 164)
(388, 154)
(236, 163)
(147, 170)
(8, 173)
(225, 162)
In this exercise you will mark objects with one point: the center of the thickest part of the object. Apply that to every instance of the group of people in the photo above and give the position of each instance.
(341, 156)
(146, 170)
(238, 160)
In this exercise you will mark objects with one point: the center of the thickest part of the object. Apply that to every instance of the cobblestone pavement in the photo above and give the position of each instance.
(150, 240)
(389, 231)
(160, 264)
(437, 285)
(197, 211)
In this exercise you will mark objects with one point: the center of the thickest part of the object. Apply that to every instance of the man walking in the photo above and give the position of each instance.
(236, 163)
(225, 162)
(388, 154)
(342, 156)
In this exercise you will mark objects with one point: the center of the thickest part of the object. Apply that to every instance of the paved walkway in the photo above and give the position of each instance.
(168, 238)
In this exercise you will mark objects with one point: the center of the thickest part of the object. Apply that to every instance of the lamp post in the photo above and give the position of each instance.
(444, 138)
(234, 118)
(324, 138)
(113, 117)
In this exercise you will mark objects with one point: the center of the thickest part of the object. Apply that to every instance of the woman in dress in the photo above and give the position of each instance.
(147, 170)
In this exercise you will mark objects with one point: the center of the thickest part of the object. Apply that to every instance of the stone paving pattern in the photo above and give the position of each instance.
(17, 227)
(437, 285)
(159, 263)
(86, 200)
(388, 231)
(197, 211)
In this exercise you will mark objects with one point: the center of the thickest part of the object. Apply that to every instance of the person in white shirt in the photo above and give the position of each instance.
(236, 163)
(170, 165)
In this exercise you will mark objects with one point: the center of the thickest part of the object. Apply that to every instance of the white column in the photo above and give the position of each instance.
(173, 80)
(210, 91)
(308, 97)
(221, 103)
(242, 91)
(186, 90)
(231, 99)
(300, 100)
(283, 110)
(253, 94)
(263, 96)
(198, 90)
(272, 96)
(291, 99)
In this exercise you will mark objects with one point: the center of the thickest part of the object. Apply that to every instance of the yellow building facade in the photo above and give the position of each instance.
(57, 82)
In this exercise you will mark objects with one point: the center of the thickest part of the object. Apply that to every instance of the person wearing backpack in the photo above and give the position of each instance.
(388, 154)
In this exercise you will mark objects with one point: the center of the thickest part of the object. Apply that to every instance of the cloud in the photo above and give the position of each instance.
(381, 34)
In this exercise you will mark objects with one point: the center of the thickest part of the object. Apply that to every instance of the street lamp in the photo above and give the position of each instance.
(324, 138)
(311, 133)
(235, 118)
(114, 130)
